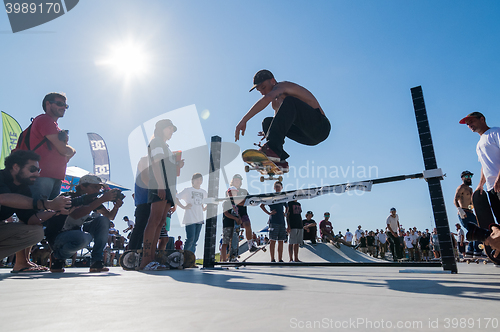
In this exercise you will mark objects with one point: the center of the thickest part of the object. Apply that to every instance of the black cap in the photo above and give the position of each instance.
(261, 76)
(464, 173)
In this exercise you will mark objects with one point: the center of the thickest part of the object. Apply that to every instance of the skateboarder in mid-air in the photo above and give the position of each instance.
(297, 115)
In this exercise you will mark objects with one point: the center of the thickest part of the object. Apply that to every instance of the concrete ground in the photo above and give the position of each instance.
(254, 299)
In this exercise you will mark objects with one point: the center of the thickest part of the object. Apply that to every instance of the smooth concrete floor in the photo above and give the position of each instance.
(254, 299)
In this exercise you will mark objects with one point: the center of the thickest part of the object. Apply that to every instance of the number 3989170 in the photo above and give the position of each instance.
(32, 8)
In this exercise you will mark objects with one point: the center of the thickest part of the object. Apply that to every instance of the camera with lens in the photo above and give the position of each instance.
(63, 135)
(120, 195)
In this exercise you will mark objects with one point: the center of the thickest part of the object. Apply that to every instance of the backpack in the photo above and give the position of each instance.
(23, 142)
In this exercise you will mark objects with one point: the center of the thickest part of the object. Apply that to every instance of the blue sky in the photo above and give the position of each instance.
(359, 58)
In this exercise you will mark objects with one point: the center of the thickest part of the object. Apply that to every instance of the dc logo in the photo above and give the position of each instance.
(97, 145)
(101, 169)
(27, 14)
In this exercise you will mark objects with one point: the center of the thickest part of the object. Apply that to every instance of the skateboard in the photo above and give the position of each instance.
(263, 248)
(173, 259)
(258, 161)
(469, 260)
(485, 218)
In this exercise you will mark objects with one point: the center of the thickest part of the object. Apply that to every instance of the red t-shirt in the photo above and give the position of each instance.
(325, 225)
(52, 163)
(178, 245)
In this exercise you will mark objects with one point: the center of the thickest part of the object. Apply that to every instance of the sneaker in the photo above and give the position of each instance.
(57, 265)
(468, 255)
(253, 248)
(283, 165)
(98, 267)
(273, 156)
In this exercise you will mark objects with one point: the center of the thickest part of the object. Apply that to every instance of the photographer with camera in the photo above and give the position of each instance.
(88, 220)
(51, 143)
(21, 171)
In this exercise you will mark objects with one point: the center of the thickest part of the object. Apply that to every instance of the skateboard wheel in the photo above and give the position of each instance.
(261, 179)
(481, 246)
(176, 260)
(485, 262)
(468, 262)
(130, 260)
(280, 178)
(247, 169)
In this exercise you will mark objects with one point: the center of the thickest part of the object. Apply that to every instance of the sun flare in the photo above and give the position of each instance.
(127, 58)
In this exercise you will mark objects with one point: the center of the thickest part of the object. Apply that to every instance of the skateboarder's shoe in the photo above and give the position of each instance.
(270, 154)
(98, 266)
(283, 165)
(468, 255)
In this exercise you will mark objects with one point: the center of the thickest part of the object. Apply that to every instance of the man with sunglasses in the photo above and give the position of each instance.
(463, 203)
(51, 143)
(21, 171)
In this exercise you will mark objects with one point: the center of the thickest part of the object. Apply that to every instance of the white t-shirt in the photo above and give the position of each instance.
(358, 233)
(408, 243)
(130, 223)
(393, 222)
(461, 235)
(382, 237)
(193, 215)
(348, 236)
(488, 153)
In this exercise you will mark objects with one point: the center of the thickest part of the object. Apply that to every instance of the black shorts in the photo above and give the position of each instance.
(153, 196)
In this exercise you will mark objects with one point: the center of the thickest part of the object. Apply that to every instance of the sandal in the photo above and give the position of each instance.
(31, 269)
(154, 266)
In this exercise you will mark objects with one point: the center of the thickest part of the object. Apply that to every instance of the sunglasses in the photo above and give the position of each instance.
(467, 176)
(60, 104)
(34, 169)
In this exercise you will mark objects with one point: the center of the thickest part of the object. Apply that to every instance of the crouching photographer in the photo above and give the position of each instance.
(87, 222)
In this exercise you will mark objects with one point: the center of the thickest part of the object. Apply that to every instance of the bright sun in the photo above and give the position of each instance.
(127, 58)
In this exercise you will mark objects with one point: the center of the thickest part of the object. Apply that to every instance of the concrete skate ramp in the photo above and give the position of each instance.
(321, 252)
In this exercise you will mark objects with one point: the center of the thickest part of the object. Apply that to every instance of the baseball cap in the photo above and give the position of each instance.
(165, 123)
(393, 209)
(237, 176)
(261, 76)
(310, 212)
(90, 179)
(471, 115)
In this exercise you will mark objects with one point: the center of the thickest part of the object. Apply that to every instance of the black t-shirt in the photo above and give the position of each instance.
(424, 242)
(279, 217)
(306, 222)
(362, 242)
(227, 222)
(370, 240)
(294, 218)
(7, 186)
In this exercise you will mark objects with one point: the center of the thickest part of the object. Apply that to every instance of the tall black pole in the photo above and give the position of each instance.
(435, 190)
(213, 191)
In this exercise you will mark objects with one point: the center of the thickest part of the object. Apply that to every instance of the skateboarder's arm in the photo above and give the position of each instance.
(256, 108)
